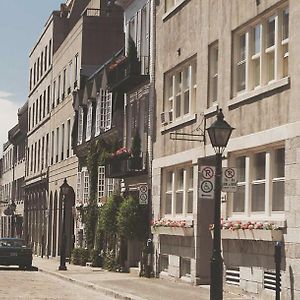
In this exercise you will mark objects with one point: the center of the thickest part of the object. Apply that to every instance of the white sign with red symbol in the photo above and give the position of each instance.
(207, 182)
(143, 194)
(229, 180)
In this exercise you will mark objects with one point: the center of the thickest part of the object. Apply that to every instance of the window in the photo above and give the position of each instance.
(46, 60)
(52, 147)
(64, 83)
(83, 186)
(178, 191)
(76, 69)
(80, 125)
(42, 61)
(62, 141)
(70, 77)
(54, 94)
(68, 137)
(43, 153)
(48, 98)
(260, 183)
(261, 52)
(89, 121)
(57, 145)
(30, 80)
(180, 91)
(58, 90)
(44, 104)
(171, 4)
(50, 53)
(105, 185)
(213, 74)
(46, 150)
(38, 70)
(103, 111)
(36, 111)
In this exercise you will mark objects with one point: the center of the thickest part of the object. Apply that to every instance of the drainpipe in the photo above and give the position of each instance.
(151, 113)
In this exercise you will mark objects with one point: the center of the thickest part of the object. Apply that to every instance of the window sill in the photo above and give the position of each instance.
(178, 122)
(212, 110)
(173, 9)
(250, 95)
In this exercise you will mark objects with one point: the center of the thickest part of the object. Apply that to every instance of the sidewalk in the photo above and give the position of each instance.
(126, 286)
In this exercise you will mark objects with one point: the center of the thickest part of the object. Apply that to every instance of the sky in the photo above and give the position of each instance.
(21, 23)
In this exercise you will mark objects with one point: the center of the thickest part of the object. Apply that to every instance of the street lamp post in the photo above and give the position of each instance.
(219, 133)
(64, 191)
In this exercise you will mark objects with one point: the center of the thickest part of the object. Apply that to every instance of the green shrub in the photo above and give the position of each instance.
(84, 256)
(110, 262)
(76, 256)
(132, 219)
(96, 258)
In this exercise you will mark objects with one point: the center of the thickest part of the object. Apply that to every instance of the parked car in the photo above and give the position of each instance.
(14, 251)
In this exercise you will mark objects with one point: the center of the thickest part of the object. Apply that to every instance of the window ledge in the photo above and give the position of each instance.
(178, 122)
(258, 92)
(211, 110)
(173, 9)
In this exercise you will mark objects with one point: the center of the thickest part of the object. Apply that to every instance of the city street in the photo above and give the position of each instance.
(36, 285)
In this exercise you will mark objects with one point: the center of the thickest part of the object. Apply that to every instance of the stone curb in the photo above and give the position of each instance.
(106, 291)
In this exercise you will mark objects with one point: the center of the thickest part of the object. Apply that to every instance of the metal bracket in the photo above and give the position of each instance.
(192, 137)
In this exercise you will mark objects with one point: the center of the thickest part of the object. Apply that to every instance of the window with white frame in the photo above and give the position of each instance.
(261, 178)
(89, 121)
(80, 125)
(178, 191)
(83, 186)
(103, 111)
(261, 52)
(170, 4)
(105, 185)
(180, 91)
(213, 74)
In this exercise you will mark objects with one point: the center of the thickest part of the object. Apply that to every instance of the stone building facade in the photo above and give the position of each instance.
(242, 57)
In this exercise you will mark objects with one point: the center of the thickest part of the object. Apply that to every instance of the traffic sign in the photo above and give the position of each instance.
(207, 182)
(143, 194)
(229, 180)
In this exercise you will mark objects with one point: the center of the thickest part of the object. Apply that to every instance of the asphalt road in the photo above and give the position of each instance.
(17, 284)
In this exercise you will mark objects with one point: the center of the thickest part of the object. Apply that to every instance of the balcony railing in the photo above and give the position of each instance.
(125, 74)
(128, 167)
(92, 12)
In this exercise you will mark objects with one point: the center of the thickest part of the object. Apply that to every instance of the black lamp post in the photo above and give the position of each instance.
(64, 189)
(219, 133)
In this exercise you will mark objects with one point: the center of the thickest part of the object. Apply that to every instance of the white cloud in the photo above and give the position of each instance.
(8, 117)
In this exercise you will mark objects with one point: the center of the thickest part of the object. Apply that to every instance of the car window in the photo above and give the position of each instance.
(12, 243)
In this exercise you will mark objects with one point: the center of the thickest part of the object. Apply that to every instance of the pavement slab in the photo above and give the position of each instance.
(127, 286)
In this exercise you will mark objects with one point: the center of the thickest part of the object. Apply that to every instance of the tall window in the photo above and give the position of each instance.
(89, 121)
(54, 94)
(58, 90)
(62, 141)
(105, 185)
(180, 90)
(48, 98)
(52, 147)
(80, 126)
(68, 137)
(70, 75)
(103, 111)
(260, 184)
(44, 104)
(46, 58)
(50, 53)
(64, 83)
(57, 145)
(261, 52)
(43, 153)
(42, 61)
(178, 191)
(46, 150)
(76, 68)
(83, 186)
(213, 74)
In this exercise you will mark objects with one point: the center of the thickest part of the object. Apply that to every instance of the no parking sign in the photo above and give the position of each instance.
(207, 182)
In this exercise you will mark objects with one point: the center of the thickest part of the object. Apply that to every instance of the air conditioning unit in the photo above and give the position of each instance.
(164, 118)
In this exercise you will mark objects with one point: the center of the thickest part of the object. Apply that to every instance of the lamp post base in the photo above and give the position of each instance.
(62, 268)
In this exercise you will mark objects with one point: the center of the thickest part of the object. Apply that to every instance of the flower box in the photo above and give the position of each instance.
(252, 234)
(182, 231)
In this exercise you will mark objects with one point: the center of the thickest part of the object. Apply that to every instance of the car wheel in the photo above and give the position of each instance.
(29, 267)
(21, 267)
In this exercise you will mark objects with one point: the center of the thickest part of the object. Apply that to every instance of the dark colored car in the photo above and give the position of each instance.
(14, 251)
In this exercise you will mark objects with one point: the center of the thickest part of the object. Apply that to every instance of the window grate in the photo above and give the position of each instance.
(270, 280)
(233, 276)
